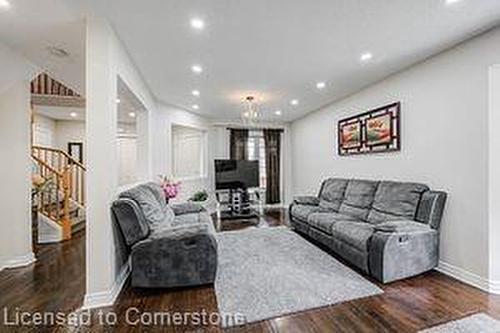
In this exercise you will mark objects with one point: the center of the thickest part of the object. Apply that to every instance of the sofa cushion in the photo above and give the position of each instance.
(187, 208)
(157, 191)
(154, 212)
(325, 221)
(356, 234)
(332, 193)
(402, 226)
(129, 216)
(302, 212)
(358, 198)
(306, 200)
(396, 201)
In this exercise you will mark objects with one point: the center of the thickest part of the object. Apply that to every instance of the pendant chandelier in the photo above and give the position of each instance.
(250, 113)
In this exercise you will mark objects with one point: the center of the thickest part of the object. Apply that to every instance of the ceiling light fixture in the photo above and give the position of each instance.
(118, 101)
(73, 114)
(250, 113)
(131, 114)
(278, 112)
(197, 23)
(195, 107)
(195, 93)
(366, 56)
(294, 102)
(451, 2)
(4, 4)
(320, 85)
(197, 69)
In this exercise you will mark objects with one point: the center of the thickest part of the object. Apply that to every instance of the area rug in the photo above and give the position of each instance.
(476, 323)
(270, 272)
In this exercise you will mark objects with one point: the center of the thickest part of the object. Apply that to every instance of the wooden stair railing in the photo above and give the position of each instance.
(68, 177)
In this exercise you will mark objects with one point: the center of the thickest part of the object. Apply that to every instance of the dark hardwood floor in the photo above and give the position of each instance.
(56, 283)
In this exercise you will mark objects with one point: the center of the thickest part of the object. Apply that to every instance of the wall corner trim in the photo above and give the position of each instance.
(489, 286)
(107, 298)
(17, 261)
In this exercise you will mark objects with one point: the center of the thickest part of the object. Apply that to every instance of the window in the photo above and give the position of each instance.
(188, 152)
(257, 151)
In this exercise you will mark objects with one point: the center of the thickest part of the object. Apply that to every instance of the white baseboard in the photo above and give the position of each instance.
(495, 287)
(17, 261)
(470, 278)
(107, 298)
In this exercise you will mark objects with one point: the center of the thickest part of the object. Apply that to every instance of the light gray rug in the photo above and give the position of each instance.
(479, 322)
(269, 272)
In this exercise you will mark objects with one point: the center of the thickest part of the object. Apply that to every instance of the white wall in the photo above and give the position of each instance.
(69, 131)
(13, 68)
(61, 132)
(444, 143)
(106, 61)
(494, 176)
(44, 131)
(166, 117)
(15, 176)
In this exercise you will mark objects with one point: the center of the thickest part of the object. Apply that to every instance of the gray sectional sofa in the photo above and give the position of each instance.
(389, 230)
(169, 245)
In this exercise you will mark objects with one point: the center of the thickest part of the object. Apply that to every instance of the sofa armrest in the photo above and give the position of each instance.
(401, 251)
(178, 256)
(187, 208)
(402, 226)
(306, 200)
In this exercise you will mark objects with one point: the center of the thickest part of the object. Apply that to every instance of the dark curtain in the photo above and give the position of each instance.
(238, 144)
(272, 139)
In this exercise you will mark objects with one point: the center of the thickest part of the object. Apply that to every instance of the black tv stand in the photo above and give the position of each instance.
(237, 205)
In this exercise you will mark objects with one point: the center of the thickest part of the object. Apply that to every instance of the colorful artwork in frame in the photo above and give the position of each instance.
(379, 130)
(351, 135)
(374, 131)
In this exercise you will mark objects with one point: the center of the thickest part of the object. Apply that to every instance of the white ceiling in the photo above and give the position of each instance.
(276, 50)
(31, 27)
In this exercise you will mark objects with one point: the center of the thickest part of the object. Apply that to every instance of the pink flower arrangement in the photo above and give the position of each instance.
(170, 187)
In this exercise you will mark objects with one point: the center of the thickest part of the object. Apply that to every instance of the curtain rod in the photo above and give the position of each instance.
(255, 128)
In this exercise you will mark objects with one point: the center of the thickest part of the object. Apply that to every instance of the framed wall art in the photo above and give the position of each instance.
(375, 131)
(75, 150)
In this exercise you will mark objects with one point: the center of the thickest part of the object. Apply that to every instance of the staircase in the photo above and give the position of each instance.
(60, 202)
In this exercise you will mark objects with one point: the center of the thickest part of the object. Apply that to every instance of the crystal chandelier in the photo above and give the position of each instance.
(251, 112)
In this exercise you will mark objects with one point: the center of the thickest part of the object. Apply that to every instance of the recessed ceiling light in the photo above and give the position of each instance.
(118, 100)
(366, 56)
(197, 23)
(294, 102)
(277, 112)
(73, 114)
(195, 93)
(4, 4)
(132, 114)
(320, 85)
(451, 2)
(195, 106)
(197, 69)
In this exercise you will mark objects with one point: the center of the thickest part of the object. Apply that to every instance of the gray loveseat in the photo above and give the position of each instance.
(389, 230)
(170, 245)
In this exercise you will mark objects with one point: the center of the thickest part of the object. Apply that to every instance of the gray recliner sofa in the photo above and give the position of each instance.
(170, 245)
(389, 230)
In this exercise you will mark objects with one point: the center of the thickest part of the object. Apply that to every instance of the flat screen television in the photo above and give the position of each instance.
(233, 174)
